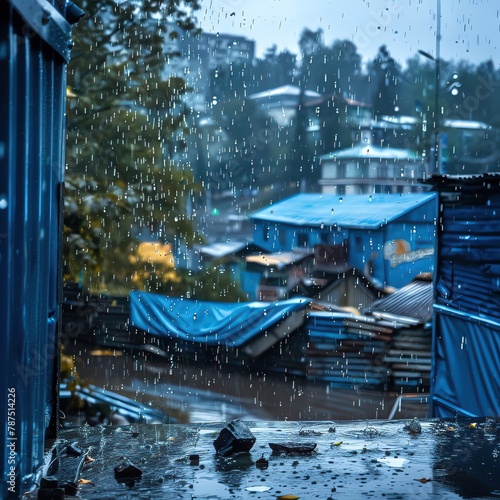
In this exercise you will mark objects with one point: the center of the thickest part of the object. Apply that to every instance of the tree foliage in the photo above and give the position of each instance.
(122, 184)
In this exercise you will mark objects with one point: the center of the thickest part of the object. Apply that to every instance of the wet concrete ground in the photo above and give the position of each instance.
(372, 459)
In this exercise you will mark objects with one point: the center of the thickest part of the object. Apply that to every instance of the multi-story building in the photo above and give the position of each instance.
(194, 56)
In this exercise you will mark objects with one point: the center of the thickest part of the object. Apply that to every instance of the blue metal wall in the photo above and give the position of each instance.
(466, 330)
(34, 45)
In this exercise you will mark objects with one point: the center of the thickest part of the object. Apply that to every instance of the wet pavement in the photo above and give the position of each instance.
(373, 459)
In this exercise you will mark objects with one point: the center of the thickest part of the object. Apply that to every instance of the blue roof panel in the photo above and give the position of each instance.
(349, 211)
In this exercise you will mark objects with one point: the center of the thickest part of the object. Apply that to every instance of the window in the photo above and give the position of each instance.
(302, 240)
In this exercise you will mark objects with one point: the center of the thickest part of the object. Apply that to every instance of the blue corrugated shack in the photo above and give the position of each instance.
(466, 329)
(391, 236)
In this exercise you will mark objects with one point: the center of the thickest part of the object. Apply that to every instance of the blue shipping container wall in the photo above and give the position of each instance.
(466, 336)
(396, 234)
(34, 44)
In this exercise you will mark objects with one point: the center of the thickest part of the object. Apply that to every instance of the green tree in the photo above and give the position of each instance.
(384, 73)
(274, 70)
(122, 184)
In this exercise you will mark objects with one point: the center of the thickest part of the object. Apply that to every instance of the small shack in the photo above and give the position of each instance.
(393, 235)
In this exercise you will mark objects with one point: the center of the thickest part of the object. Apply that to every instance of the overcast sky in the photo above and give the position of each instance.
(470, 29)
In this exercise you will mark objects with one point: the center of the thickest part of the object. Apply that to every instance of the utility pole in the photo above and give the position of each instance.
(437, 112)
(437, 84)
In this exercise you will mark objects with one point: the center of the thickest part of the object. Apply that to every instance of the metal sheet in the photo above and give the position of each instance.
(351, 211)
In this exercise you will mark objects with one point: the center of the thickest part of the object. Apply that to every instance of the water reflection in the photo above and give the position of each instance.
(466, 456)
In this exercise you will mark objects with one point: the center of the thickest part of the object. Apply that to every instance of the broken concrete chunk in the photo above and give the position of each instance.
(413, 427)
(127, 470)
(236, 437)
(50, 494)
(70, 488)
(73, 450)
(49, 482)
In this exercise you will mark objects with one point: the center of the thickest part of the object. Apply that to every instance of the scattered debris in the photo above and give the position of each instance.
(194, 459)
(258, 489)
(236, 437)
(73, 450)
(338, 443)
(50, 494)
(127, 471)
(423, 480)
(309, 432)
(413, 427)
(262, 463)
(49, 482)
(293, 448)
(85, 481)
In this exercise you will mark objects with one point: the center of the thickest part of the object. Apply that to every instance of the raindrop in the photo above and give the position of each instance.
(341, 199)
(3, 202)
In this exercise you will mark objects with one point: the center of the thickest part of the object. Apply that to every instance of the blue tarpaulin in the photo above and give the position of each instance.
(211, 323)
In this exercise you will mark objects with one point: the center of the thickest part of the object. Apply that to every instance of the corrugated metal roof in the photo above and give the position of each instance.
(350, 211)
(413, 301)
(466, 124)
(457, 183)
(223, 249)
(369, 151)
(284, 91)
(278, 260)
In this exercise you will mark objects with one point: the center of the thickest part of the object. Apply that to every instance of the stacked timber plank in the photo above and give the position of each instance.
(346, 351)
(410, 311)
(409, 358)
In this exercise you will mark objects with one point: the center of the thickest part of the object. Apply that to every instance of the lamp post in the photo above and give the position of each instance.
(436, 60)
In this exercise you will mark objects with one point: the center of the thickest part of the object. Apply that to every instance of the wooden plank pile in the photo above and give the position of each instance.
(409, 358)
(346, 351)
(362, 351)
